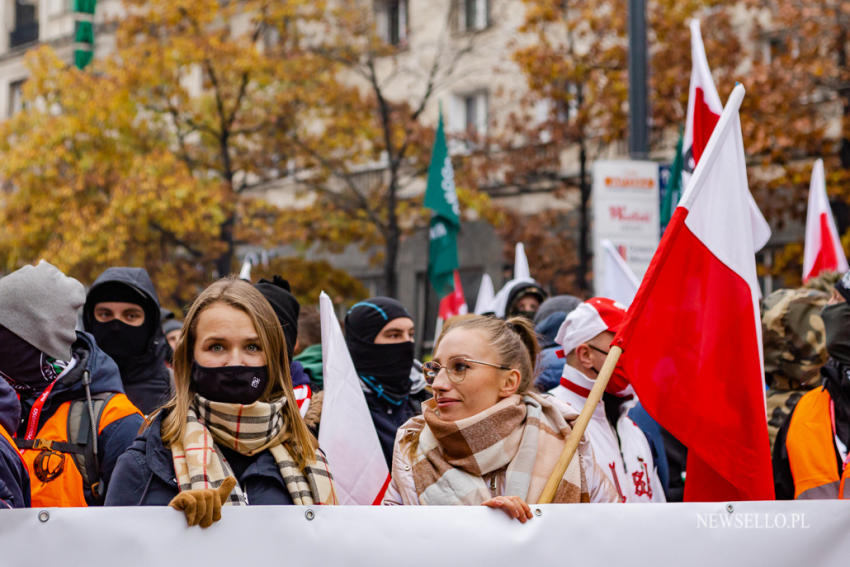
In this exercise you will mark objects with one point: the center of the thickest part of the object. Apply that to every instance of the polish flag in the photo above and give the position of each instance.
(823, 250)
(346, 433)
(704, 109)
(692, 337)
(454, 303)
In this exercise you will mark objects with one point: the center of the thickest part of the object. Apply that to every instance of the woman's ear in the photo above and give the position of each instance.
(511, 383)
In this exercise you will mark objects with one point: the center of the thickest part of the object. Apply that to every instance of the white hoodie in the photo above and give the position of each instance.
(625, 455)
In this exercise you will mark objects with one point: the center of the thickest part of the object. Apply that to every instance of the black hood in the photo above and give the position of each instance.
(10, 407)
(137, 279)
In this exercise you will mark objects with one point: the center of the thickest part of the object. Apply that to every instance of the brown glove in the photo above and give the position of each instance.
(202, 506)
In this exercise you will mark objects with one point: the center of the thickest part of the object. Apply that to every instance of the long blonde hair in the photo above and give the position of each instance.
(242, 296)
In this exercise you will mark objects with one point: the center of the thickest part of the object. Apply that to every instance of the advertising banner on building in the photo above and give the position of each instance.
(626, 212)
(807, 532)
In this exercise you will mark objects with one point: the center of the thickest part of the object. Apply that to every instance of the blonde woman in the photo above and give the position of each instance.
(234, 403)
(486, 438)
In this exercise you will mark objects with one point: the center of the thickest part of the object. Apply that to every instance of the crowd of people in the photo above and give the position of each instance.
(108, 399)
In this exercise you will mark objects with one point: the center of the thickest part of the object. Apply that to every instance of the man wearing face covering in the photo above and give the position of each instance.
(379, 335)
(122, 312)
(58, 374)
(619, 445)
(810, 455)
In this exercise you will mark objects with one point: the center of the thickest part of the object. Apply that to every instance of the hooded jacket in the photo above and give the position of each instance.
(14, 478)
(836, 382)
(115, 435)
(146, 379)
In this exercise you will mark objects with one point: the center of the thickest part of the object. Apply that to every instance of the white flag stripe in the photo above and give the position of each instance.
(521, 269)
(620, 283)
(486, 293)
(346, 433)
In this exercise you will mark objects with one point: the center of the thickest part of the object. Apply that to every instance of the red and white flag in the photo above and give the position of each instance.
(692, 337)
(704, 109)
(454, 303)
(346, 433)
(823, 250)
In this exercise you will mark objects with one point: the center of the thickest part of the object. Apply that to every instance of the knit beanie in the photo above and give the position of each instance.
(39, 304)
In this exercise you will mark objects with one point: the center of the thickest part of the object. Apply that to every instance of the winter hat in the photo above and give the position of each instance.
(843, 286)
(171, 325)
(594, 316)
(365, 320)
(286, 307)
(565, 303)
(39, 304)
(520, 291)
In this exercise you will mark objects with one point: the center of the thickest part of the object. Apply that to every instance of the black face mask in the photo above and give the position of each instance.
(22, 365)
(527, 314)
(230, 384)
(388, 364)
(120, 340)
(836, 321)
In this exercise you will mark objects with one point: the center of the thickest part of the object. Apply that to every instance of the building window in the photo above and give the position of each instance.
(471, 15)
(26, 23)
(391, 21)
(16, 97)
(469, 113)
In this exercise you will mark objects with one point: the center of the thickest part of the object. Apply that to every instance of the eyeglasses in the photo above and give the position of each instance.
(455, 369)
(597, 349)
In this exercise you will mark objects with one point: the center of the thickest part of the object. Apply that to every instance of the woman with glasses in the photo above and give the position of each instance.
(486, 438)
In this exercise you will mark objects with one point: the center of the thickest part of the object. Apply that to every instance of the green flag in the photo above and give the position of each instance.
(441, 198)
(674, 185)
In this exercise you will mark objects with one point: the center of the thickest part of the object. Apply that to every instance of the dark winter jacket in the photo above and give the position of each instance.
(146, 379)
(14, 478)
(145, 476)
(388, 417)
(103, 372)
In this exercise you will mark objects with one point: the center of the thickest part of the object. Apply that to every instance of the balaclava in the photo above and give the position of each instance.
(119, 340)
(383, 367)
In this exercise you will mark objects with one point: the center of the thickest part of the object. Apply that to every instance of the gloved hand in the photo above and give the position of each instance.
(202, 506)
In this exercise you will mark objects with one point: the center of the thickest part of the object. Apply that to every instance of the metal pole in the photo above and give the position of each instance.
(638, 107)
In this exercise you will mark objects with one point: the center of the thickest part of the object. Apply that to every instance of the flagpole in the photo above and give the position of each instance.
(580, 425)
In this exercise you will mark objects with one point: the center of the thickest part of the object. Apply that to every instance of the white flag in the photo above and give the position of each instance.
(485, 295)
(346, 433)
(619, 283)
(521, 270)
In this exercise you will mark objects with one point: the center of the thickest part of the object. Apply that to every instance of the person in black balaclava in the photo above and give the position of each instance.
(810, 455)
(122, 312)
(379, 334)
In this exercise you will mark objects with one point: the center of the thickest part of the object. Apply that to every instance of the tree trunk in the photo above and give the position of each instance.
(224, 263)
(393, 236)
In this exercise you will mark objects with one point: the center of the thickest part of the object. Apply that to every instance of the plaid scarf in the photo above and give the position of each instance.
(522, 434)
(247, 429)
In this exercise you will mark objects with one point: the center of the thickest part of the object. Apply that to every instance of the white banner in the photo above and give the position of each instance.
(625, 211)
(744, 533)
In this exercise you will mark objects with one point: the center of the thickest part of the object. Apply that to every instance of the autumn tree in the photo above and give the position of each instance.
(574, 58)
(152, 155)
(364, 167)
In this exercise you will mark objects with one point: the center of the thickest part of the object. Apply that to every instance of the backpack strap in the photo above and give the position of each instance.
(80, 435)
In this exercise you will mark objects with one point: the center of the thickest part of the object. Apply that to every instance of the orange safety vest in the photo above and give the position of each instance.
(66, 487)
(810, 444)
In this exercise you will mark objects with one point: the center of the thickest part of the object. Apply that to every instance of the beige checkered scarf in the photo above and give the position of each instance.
(247, 429)
(522, 434)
